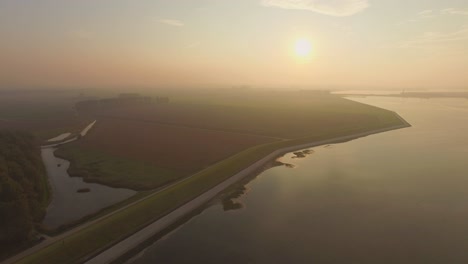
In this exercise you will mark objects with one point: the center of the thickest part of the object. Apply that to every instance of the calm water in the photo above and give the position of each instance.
(67, 204)
(60, 137)
(65, 135)
(396, 197)
(86, 130)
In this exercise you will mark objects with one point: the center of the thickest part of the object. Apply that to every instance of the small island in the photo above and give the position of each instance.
(302, 154)
(83, 190)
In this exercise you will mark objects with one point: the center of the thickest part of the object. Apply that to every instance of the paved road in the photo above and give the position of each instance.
(148, 232)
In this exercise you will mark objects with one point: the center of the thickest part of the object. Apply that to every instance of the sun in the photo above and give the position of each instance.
(302, 47)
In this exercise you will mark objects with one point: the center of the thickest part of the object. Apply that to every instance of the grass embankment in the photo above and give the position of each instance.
(88, 218)
(122, 224)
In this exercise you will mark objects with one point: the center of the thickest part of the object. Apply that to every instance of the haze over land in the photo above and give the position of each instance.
(334, 128)
(209, 43)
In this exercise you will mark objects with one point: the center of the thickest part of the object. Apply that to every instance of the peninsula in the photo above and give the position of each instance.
(187, 151)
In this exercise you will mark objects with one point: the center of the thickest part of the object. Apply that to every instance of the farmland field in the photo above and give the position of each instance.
(45, 114)
(286, 115)
(144, 155)
(148, 146)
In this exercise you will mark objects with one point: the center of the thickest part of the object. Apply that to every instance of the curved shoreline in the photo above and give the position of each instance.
(60, 137)
(68, 139)
(115, 251)
(168, 215)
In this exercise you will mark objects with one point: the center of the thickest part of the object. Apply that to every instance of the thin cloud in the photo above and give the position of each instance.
(454, 11)
(430, 14)
(426, 14)
(327, 7)
(172, 22)
(430, 38)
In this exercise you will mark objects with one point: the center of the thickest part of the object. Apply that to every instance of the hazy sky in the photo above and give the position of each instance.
(150, 43)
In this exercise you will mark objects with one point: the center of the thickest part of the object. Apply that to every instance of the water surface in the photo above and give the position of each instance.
(59, 137)
(396, 197)
(87, 128)
(67, 203)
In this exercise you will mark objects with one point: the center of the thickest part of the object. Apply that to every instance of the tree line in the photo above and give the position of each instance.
(23, 187)
(124, 100)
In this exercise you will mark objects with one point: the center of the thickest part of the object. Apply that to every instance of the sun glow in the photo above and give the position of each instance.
(302, 47)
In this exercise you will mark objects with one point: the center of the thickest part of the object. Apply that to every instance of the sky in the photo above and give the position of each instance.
(356, 44)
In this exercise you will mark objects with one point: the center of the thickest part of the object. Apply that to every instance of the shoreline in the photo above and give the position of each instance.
(134, 221)
(72, 137)
(420, 94)
(119, 249)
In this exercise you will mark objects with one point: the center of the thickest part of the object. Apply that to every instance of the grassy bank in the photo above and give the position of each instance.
(99, 167)
(124, 223)
(104, 211)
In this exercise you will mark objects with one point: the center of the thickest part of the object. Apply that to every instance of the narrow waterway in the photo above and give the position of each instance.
(72, 198)
(395, 197)
(59, 137)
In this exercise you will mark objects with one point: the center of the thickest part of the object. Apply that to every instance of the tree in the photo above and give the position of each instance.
(21, 191)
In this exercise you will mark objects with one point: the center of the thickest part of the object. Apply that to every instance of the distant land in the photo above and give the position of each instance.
(422, 94)
(172, 148)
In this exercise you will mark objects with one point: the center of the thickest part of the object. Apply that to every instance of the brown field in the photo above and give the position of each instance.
(35, 123)
(177, 138)
(181, 149)
(45, 129)
(45, 114)
(148, 146)
(286, 118)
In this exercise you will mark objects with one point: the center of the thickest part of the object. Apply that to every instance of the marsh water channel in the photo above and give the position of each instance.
(395, 197)
(67, 203)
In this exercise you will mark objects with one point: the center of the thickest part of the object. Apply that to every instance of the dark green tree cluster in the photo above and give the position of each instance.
(23, 187)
